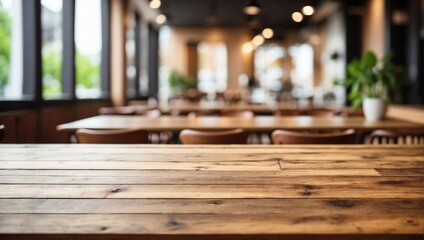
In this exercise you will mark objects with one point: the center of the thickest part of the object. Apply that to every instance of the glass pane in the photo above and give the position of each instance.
(269, 66)
(130, 48)
(213, 72)
(88, 36)
(11, 64)
(302, 72)
(51, 17)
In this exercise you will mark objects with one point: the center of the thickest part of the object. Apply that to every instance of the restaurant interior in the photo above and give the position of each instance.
(65, 61)
(307, 115)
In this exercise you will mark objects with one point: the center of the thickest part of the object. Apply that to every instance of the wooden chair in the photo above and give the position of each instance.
(2, 132)
(156, 137)
(203, 114)
(121, 110)
(396, 137)
(236, 136)
(287, 112)
(253, 137)
(112, 136)
(290, 137)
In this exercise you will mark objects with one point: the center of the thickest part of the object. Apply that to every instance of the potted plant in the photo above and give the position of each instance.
(370, 81)
(181, 84)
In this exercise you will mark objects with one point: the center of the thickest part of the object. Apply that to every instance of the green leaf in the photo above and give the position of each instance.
(357, 103)
(354, 68)
(369, 59)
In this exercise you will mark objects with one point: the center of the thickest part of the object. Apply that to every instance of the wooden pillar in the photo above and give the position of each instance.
(118, 81)
(192, 64)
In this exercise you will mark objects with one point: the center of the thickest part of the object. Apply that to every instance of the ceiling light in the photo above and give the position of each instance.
(258, 40)
(155, 4)
(268, 33)
(297, 17)
(252, 8)
(308, 10)
(161, 19)
(247, 47)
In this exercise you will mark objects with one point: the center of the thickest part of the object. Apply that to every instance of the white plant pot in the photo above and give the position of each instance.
(374, 108)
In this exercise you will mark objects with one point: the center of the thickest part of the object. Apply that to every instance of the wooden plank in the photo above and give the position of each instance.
(343, 164)
(324, 187)
(201, 157)
(402, 172)
(407, 150)
(252, 192)
(208, 147)
(266, 165)
(104, 236)
(325, 223)
(168, 177)
(352, 207)
(174, 165)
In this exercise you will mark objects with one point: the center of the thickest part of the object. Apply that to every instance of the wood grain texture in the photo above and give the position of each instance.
(211, 192)
(257, 124)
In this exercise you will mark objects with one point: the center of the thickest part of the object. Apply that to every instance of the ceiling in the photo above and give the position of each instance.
(275, 13)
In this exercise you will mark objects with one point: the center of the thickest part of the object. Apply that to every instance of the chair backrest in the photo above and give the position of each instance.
(287, 112)
(243, 114)
(121, 110)
(396, 137)
(112, 136)
(2, 132)
(290, 137)
(236, 136)
(203, 114)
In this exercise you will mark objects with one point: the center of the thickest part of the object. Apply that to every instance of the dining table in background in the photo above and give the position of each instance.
(158, 192)
(256, 124)
(185, 107)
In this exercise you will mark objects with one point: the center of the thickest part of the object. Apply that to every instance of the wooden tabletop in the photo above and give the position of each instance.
(211, 192)
(257, 124)
(184, 107)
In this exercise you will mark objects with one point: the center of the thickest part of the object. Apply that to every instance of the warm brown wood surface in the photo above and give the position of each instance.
(257, 124)
(184, 107)
(211, 192)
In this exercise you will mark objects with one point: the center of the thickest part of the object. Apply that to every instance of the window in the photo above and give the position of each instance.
(11, 42)
(213, 72)
(164, 62)
(51, 21)
(269, 66)
(303, 70)
(88, 43)
(130, 51)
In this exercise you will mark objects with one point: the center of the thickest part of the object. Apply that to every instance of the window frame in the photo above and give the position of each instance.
(32, 58)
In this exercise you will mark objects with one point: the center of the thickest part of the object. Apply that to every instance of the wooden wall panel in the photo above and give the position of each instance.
(39, 126)
(20, 126)
(89, 109)
(49, 119)
(27, 130)
(10, 123)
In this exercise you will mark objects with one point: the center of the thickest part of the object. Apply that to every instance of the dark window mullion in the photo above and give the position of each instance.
(153, 61)
(32, 73)
(137, 62)
(68, 63)
(105, 58)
